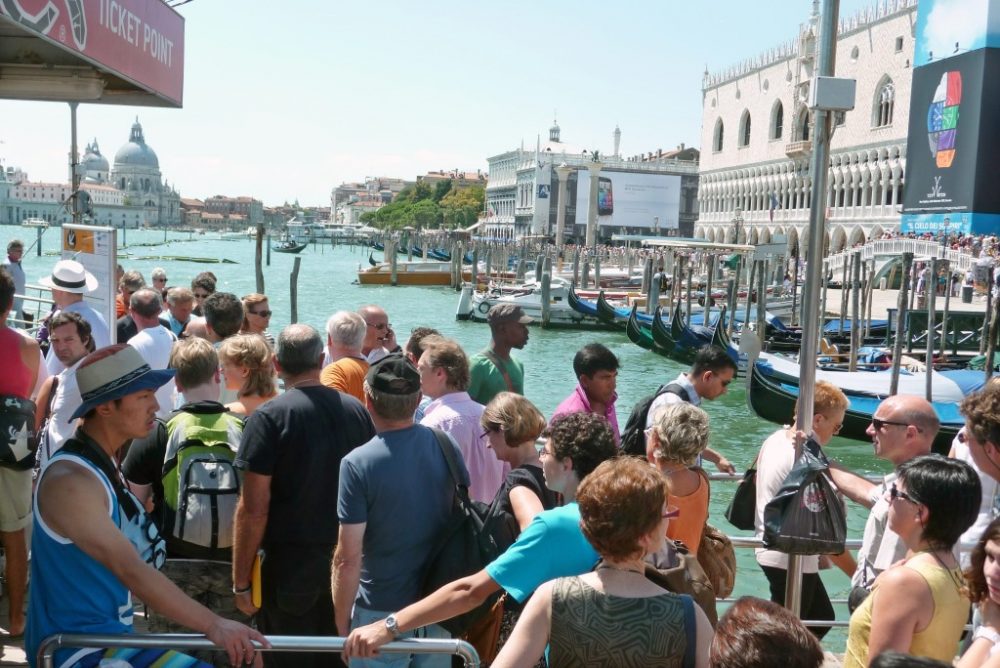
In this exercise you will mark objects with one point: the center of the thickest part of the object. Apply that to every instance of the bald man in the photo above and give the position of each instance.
(903, 427)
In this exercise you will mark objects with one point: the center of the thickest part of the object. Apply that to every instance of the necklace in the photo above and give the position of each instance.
(608, 567)
(959, 581)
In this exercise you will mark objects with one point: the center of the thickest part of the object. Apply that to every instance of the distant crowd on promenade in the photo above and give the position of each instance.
(244, 483)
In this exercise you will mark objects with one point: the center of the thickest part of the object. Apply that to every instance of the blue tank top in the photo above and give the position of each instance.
(72, 592)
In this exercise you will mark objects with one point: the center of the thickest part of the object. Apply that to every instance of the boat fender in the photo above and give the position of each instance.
(484, 307)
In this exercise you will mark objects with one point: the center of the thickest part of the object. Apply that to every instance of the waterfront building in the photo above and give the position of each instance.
(459, 180)
(131, 193)
(243, 209)
(757, 135)
(644, 194)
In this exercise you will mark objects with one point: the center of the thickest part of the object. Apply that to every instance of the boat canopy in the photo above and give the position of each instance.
(698, 244)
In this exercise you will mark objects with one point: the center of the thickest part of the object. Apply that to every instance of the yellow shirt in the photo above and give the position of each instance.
(939, 640)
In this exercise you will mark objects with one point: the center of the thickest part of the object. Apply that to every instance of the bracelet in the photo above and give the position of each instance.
(988, 633)
(242, 590)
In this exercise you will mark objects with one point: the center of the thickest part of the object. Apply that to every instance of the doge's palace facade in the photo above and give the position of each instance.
(757, 135)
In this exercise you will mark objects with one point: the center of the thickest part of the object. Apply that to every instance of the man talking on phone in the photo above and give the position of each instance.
(380, 340)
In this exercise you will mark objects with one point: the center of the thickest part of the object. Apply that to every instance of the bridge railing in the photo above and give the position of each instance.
(960, 260)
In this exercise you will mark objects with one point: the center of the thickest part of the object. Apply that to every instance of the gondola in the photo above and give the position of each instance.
(774, 400)
(582, 306)
(289, 247)
(371, 260)
(636, 333)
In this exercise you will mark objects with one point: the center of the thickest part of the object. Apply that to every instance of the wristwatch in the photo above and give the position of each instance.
(392, 626)
(987, 632)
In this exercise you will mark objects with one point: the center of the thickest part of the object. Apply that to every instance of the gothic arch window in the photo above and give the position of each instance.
(745, 129)
(717, 136)
(777, 120)
(885, 101)
(802, 126)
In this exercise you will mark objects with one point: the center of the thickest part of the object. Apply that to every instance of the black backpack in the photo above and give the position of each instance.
(633, 436)
(464, 546)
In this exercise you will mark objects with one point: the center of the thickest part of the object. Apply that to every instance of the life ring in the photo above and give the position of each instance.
(484, 307)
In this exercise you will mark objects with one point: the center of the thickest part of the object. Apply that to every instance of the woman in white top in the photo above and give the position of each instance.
(774, 463)
(983, 581)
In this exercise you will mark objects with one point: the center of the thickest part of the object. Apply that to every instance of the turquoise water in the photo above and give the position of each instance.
(325, 285)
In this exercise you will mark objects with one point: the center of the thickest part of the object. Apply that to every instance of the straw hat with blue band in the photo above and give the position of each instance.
(70, 276)
(114, 376)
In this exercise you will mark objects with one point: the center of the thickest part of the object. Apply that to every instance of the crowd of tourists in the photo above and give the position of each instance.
(171, 468)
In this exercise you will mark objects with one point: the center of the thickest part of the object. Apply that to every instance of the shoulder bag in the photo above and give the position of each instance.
(742, 510)
(716, 554)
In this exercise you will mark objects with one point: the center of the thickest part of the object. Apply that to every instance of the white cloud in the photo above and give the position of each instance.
(951, 21)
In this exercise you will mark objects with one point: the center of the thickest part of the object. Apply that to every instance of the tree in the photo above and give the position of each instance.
(441, 189)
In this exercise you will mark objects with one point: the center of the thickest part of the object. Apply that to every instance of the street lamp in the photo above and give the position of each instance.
(737, 224)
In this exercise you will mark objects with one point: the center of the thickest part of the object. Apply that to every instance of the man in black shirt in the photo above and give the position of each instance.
(290, 452)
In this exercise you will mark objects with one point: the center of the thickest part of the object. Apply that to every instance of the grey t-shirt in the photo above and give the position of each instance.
(398, 484)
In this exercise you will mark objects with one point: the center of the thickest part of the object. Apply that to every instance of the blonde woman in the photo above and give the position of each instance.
(257, 317)
(247, 365)
(678, 436)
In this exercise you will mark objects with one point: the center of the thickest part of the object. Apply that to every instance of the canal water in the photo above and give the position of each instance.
(326, 284)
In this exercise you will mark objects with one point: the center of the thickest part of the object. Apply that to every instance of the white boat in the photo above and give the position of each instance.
(475, 305)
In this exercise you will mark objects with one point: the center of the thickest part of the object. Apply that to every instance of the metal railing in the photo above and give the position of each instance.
(960, 260)
(183, 641)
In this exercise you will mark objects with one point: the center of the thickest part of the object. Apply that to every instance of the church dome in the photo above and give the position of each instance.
(92, 160)
(136, 152)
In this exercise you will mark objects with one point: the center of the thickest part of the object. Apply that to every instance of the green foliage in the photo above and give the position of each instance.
(424, 207)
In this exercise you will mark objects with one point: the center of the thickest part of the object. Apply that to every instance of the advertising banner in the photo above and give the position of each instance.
(953, 145)
(96, 248)
(141, 41)
(631, 200)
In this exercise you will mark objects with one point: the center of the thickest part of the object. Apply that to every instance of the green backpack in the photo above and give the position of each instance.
(200, 482)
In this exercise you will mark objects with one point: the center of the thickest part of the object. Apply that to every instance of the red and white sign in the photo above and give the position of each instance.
(138, 40)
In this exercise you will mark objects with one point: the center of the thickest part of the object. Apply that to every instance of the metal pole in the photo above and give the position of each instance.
(822, 308)
(901, 310)
(184, 641)
(762, 300)
(690, 272)
(931, 294)
(74, 171)
(986, 318)
(947, 305)
(843, 294)
(817, 235)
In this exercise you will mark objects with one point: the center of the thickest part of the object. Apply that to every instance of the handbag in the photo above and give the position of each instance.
(464, 546)
(675, 569)
(742, 510)
(20, 440)
(806, 516)
(484, 633)
(716, 553)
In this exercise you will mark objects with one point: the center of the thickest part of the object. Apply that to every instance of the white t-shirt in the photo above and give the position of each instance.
(777, 456)
(988, 506)
(154, 344)
(64, 403)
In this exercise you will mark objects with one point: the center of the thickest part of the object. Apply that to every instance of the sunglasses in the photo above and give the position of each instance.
(202, 295)
(881, 424)
(160, 280)
(263, 314)
(895, 493)
(380, 326)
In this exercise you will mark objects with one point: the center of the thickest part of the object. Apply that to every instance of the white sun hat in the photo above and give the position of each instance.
(70, 276)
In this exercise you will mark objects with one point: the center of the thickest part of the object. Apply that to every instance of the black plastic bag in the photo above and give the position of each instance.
(806, 516)
(18, 438)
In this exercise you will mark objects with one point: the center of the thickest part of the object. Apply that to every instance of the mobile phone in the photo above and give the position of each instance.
(605, 197)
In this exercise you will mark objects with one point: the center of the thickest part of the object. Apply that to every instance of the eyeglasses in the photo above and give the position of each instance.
(671, 513)
(492, 428)
(895, 493)
(840, 425)
(160, 280)
(202, 295)
(263, 314)
(381, 326)
(880, 424)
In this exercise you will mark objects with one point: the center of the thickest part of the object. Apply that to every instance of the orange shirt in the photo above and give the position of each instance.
(688, 526)
(120, 308)
(346, 375)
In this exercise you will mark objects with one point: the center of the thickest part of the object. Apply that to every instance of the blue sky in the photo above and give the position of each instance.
(284, 101)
